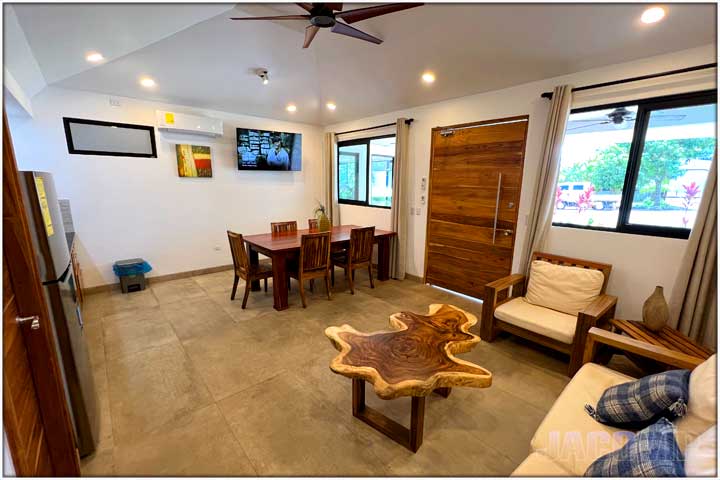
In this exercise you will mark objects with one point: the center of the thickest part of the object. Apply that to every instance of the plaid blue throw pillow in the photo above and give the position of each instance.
(653, 452)
(640, 403)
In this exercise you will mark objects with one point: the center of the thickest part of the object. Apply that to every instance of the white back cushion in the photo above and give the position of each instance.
(563, 288)
(701, 455)
(702, 404)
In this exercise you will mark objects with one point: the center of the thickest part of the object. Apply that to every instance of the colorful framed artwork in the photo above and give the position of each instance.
(193, 160)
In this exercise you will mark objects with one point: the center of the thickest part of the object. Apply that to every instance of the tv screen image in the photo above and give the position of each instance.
(266, 150)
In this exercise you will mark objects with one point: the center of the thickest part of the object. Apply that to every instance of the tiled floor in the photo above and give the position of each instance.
(191, 384)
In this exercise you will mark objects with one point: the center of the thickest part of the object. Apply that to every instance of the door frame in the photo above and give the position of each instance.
(40, 345)
(482, 123)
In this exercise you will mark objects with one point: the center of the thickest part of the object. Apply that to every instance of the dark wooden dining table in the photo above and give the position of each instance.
(286, 245)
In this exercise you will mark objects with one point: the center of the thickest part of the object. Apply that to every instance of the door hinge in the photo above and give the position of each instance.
(33, 319)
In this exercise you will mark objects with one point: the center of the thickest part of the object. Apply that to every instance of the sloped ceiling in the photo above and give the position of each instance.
(199, 57)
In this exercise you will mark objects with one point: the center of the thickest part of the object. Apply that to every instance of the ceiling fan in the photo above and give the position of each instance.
(326, 15)
(618, 117)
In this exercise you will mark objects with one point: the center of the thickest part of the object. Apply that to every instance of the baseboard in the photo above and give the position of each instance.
(413, 278)
(159, 279)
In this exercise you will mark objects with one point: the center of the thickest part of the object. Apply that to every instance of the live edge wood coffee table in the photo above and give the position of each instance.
(414, 359)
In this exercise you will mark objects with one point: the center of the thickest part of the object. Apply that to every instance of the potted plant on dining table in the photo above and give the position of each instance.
(324, 224)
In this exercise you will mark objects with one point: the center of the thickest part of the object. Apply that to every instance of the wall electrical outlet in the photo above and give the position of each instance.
(114, 102)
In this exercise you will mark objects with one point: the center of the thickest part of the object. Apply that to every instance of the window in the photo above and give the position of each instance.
(365, 171)
(638, 167)
(93, 137)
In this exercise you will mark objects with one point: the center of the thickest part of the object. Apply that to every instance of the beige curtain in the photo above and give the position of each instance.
(540, 218)
(329, 175)
(399, 211)
(693, 304)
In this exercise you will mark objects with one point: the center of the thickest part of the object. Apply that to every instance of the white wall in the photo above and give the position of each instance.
(639, 262)
(138, 207)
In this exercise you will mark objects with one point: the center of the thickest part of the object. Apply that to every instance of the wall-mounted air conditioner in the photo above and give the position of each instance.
(184, 123)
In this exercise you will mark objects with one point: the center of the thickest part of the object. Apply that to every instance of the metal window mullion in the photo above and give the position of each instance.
(633, 167)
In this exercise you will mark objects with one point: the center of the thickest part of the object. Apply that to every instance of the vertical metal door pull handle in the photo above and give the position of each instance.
(497, 206)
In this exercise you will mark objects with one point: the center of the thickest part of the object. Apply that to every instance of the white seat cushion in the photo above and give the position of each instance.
(570, 436)
(539, 465)
(541, 320)
(563, 288)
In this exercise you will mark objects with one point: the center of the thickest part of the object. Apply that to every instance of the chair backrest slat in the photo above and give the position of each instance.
(315, 251)
(361, 244)
(605, 268)
(239, 254)
(283, 227)
(313, 223)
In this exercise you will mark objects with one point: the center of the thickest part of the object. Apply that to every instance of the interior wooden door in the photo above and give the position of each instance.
(35, 413)
(475, 181)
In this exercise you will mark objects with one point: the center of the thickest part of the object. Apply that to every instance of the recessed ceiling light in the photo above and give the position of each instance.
(331, 106)
(94, 57)
(652, 15)
(428, 77)
(147, 82)
(291, 108)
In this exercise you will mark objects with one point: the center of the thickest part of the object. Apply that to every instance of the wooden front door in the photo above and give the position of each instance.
(475, 180)
(35, 412)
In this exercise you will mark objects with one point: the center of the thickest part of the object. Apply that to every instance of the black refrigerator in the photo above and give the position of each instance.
(53, 257)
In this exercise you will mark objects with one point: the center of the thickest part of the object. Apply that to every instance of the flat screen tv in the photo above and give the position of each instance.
(265, 150)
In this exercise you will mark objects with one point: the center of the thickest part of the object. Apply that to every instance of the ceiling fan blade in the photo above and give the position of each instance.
(310, 32)
(305, 6)
(344, 29)
(352, 16)
(586, 126)
(281, 17)
(334, 6)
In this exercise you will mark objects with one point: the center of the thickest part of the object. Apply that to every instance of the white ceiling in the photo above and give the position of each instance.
(201, 58)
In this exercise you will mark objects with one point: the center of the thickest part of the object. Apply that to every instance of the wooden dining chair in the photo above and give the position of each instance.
(283, 227)
(243, 267)
(313, 223)
(314, 261)
(358, 255)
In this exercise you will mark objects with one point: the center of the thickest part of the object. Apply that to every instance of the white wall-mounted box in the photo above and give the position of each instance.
(186, 123)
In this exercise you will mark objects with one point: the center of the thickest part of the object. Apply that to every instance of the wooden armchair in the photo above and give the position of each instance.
(314, 261)
(358, 255)
(243, 267)
(598, 337)
(572, 340)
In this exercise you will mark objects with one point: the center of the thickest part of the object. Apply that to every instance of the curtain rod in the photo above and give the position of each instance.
(408, 121)
(549, 95)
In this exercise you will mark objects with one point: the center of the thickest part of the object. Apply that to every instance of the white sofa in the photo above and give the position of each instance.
(568, 440)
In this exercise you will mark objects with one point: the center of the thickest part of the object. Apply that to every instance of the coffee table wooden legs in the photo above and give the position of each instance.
(409, 438)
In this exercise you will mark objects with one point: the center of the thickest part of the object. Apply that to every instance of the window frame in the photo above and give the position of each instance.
(361, 141)
(642, 118)
(107, 153)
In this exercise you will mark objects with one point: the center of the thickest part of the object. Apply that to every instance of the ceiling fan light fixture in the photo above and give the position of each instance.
(291, 108)
(428, 77)
(331, 106)
(653, 15)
